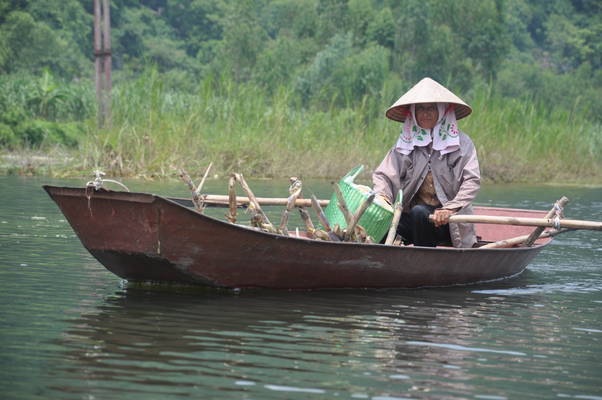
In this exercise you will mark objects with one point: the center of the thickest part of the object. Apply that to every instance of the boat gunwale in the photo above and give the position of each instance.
(148, 198)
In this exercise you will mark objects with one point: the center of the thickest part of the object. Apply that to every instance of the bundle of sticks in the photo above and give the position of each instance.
(352, 232)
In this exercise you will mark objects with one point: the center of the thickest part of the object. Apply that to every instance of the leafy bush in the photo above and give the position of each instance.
(13, 116)
(35, 133)
(340, 72)
(362, 73)
(382, 28)
(577, 92)
(44, 97)
(31, 46)
(7, 137)
(319, 76)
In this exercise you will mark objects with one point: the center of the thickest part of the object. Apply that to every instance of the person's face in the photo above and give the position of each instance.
(427, 115)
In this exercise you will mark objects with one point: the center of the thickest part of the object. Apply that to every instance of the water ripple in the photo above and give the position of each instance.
(71, 330)
(463, 348)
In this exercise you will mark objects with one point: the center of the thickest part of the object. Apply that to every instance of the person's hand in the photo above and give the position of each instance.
(382, 199)
(441, 216)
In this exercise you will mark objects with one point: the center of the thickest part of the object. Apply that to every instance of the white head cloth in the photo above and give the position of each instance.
(445, 135)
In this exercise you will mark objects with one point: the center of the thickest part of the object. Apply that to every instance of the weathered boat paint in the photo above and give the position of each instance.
(146, 237)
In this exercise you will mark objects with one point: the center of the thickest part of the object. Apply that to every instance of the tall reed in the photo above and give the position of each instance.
(269, 133)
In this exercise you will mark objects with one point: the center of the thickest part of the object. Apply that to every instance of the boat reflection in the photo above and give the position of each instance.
(149, 339)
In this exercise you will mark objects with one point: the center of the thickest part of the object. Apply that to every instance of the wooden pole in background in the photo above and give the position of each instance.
(103, 61)
(98, 63)
(108, 85)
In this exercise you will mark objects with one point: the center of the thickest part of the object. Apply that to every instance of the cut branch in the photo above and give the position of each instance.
(200, 187)
(309, 225)
(342, 204)
(358, 214)
(295, 191)
(196, 200)
(232, 199)
(396, 216)
(323, 220)
(258, 218)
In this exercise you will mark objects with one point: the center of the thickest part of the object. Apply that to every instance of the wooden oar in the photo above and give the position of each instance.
(521, 239)
(555, 212)
(218, 200)
(522, 221)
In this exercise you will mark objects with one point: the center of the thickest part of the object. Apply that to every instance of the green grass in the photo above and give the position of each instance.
(245, 128)
(522, 142)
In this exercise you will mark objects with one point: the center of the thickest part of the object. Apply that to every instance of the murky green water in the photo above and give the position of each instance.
(71, 330)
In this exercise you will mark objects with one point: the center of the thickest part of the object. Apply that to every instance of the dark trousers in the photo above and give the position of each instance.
(415, 228)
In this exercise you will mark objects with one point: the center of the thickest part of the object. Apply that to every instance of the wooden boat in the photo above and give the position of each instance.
(146, 237)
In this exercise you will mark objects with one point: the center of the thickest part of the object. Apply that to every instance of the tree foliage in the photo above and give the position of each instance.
(324, 48)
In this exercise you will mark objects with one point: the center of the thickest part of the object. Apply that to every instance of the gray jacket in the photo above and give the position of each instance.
(456, 177)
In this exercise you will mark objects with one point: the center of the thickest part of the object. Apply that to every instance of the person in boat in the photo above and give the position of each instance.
(434, 164)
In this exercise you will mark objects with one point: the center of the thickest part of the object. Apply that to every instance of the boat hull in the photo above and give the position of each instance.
(145, 237)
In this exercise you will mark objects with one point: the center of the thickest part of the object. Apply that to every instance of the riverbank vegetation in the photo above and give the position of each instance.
(283, 87)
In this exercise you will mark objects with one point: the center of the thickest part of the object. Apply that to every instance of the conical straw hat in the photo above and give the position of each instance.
(426, 91)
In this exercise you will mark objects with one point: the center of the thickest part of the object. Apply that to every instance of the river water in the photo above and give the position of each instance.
(69, 329)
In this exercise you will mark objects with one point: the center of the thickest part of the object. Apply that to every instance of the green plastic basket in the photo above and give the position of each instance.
(376, 219)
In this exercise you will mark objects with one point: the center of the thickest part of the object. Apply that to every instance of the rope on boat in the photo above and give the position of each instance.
(557, 222)
(558, 213)
(98, 182)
